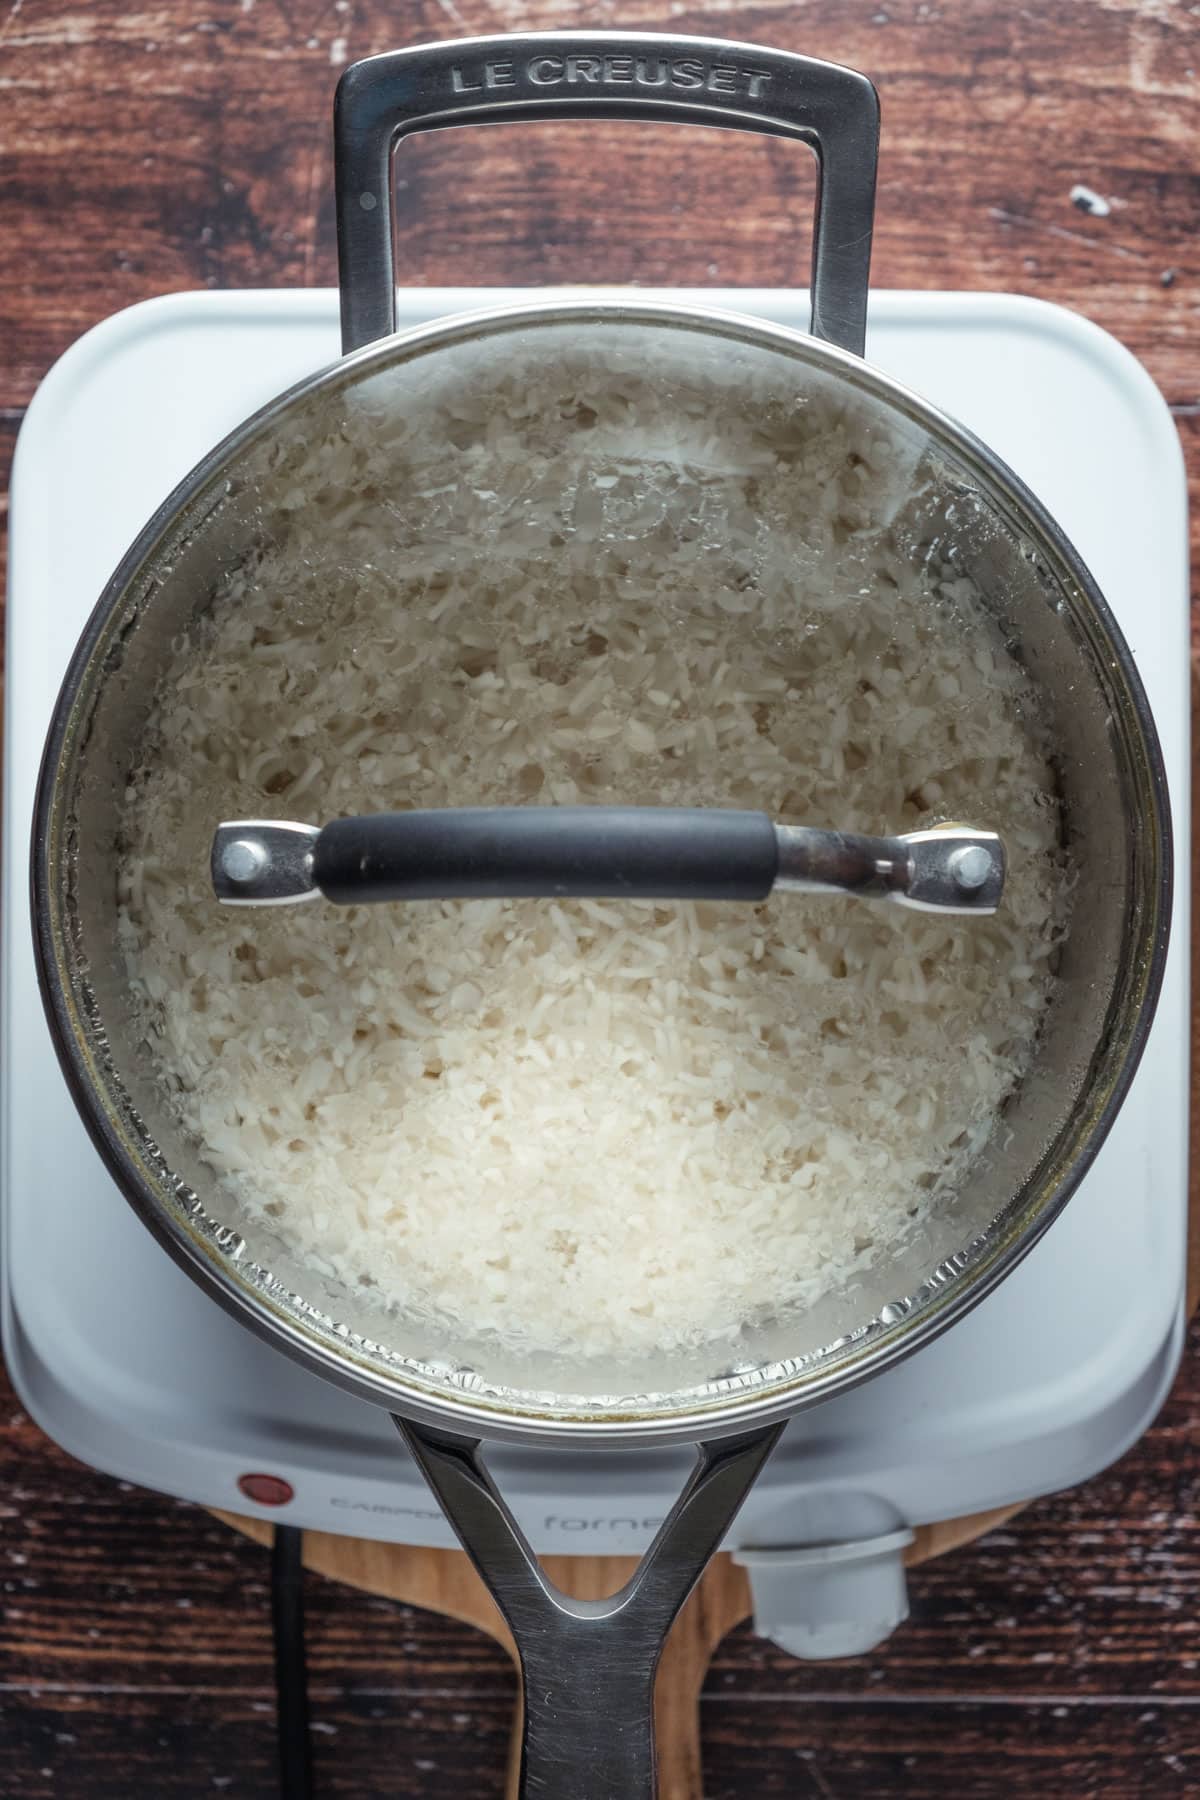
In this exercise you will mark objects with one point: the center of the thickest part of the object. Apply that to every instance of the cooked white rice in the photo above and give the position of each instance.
(597, 1124)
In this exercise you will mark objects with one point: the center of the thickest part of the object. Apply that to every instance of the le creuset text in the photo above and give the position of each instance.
(612, 71)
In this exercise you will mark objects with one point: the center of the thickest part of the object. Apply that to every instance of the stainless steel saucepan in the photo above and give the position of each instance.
(589, 1667)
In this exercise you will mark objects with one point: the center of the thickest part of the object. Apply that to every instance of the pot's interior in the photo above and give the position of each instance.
(954, 508)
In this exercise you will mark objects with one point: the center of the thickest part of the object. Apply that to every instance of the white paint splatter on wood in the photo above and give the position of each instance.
(1089, 201)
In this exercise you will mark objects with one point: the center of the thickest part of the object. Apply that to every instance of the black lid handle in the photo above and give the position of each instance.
(630, 852)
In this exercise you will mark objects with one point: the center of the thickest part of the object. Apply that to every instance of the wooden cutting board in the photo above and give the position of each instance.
(444, 1581)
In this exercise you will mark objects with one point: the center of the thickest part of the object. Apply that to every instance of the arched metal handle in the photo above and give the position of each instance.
(606, 74)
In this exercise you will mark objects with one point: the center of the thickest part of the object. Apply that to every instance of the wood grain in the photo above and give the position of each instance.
(1061, 1654)
(443, 1581)
(182, 144)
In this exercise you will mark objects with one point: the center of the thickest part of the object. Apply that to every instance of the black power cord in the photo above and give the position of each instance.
(291, 1674)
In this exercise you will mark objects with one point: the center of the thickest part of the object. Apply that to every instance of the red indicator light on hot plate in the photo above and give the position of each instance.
(267, 1490)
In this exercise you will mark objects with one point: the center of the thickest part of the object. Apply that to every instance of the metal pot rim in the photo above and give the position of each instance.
(729, 1412)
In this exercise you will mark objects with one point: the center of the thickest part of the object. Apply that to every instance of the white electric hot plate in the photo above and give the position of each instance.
(128, 1366)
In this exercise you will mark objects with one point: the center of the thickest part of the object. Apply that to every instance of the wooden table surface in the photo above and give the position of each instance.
(178, 144)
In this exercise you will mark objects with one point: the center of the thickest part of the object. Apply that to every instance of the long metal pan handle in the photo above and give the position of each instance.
(626, 852)
(588, 1666)
(606, 74)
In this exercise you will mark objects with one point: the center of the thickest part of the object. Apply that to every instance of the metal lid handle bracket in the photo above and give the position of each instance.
(606, 74)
